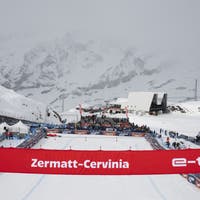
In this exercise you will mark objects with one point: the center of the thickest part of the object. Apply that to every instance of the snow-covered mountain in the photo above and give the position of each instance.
(17, 106)
(87, 71)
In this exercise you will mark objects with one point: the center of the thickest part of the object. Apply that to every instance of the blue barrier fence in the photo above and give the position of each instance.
(31, 141)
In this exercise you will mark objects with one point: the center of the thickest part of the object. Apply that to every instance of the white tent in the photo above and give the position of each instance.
(19, 127)
(2, 126)
(121, 101)
(71, 116)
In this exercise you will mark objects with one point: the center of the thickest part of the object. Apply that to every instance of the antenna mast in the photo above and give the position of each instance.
(195, 90)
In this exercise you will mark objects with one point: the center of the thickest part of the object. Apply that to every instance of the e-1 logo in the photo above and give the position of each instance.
(183, 162)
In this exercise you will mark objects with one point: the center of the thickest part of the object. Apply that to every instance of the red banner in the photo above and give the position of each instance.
(15, 160)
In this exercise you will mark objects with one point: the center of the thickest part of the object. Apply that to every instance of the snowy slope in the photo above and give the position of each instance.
(20, 107)
(31, 187)
(183, 123)
(90, 71)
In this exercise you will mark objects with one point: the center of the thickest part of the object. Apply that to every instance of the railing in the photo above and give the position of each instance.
(2, 137)
(32, 140)
(153, 142)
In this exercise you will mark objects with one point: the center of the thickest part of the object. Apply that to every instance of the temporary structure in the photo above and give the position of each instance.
(19, 127)
(147, 101)
(71, 116)
(3, 126)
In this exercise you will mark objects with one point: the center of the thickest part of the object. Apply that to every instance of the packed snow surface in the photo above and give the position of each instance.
(182, 123)
(11, 143)
(18, 106)
(51, 187)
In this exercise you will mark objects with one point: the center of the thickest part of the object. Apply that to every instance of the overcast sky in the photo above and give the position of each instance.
(171, 25)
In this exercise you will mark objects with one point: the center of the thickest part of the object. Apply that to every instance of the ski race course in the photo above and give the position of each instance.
(76, 187)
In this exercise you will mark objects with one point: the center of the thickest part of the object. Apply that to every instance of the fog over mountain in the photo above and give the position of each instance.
(89, 51)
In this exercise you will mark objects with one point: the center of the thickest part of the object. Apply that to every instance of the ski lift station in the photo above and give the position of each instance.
(151, 102)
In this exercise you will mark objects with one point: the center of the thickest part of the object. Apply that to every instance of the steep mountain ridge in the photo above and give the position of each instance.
(88, 71)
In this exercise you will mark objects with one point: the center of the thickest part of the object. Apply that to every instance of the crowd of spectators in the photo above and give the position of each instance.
(95, 123)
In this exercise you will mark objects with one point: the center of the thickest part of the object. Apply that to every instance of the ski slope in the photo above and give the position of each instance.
(11, 143)
(62, 187)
